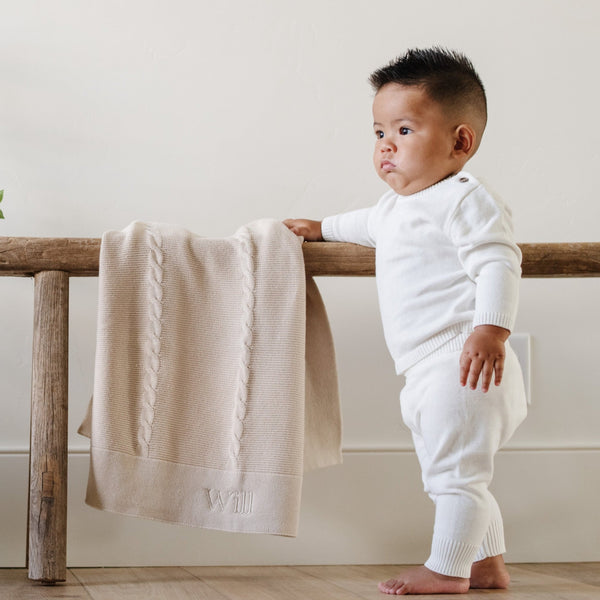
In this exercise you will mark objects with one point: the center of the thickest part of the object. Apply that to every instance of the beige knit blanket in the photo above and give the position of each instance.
(215, 380)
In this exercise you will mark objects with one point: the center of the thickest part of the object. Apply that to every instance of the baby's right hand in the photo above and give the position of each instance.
(309, 230)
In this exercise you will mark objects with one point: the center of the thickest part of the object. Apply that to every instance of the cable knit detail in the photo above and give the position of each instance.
(247, 324)
(153, 340)
(189, 474)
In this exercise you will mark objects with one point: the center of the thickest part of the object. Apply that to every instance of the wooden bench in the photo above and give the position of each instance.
(52, 261)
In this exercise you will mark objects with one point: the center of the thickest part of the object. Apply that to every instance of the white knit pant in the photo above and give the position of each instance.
(456, 432)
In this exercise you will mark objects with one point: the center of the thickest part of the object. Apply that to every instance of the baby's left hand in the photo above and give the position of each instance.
(483, 354)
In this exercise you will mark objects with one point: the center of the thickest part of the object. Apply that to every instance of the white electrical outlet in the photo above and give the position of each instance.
(521, 344)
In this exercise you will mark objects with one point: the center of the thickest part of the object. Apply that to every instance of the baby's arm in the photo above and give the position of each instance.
(309, 230)
(481, 229)
(483, 354)
(351, 227)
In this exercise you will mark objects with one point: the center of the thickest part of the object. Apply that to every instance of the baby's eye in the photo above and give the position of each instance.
(405, 130)
(379, 134)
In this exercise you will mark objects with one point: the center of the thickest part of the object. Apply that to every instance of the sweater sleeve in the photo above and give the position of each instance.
(481, 229)
(352, 227)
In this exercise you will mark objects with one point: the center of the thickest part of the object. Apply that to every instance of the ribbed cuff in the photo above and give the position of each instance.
(327, 229)
(491, 318)
(493, 543)
(451, 558)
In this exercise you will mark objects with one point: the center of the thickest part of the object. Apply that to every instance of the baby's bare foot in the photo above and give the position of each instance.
(490, 573)
(421, 580)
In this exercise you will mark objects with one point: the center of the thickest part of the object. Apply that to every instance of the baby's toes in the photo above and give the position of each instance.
(391, 586)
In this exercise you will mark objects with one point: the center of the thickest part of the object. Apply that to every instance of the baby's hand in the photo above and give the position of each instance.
(483, 354)
(309, 230)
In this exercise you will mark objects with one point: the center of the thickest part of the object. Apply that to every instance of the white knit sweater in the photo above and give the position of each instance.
(206, 410)
(446, 262)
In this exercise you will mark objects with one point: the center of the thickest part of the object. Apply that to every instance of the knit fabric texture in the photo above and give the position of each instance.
(215, 380)
(446, 261)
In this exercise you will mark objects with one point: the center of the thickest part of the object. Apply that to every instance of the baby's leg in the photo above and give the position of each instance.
(488, 570)
(489, 573)
(457, 432)
(421, 580)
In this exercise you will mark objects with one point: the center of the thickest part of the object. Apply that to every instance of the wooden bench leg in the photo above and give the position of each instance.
(47, 521)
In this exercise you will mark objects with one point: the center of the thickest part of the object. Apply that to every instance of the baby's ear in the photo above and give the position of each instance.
(465, 140)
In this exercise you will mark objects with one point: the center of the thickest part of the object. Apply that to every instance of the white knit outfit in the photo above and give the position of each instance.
(446, 262)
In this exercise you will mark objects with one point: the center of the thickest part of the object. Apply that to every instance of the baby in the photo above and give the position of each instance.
(448, 275)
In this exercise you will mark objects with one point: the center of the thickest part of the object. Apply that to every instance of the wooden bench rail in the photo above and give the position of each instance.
(52, 261)
(80, 256)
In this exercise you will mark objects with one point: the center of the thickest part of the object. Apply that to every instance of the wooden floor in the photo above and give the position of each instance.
(568, 581)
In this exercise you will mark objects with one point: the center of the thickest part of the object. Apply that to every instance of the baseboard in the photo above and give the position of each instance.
(370, 510)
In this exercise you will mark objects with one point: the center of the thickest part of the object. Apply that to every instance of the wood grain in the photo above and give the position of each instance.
(48, 454)
(336, 582)
(80, 257)
(21, 256)
(527, 584)
(259, 583)
(156, 583)
(15, 585)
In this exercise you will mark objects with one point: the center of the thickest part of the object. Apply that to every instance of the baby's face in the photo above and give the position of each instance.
(414, 139)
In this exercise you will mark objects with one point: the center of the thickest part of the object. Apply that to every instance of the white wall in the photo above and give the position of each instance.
(213, 114)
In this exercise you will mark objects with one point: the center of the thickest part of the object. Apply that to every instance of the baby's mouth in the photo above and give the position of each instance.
(387, 166)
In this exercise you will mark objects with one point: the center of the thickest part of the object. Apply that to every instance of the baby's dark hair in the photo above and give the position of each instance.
(448, 77)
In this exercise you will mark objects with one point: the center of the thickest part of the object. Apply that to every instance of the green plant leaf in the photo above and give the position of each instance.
(1, 196)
